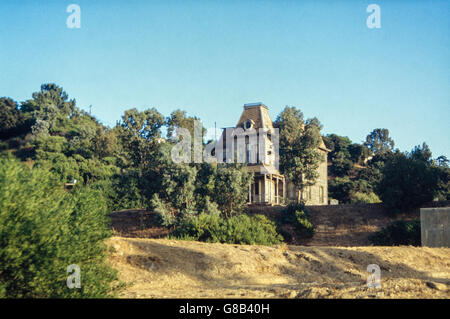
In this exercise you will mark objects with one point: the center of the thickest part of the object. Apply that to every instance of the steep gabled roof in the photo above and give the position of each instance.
(258, 114)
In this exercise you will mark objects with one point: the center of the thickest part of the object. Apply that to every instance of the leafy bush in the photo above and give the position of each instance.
(362, 198)
(243, 229)
(165, 215)
(303, 226)
(3, 145)
(231, 188)
(297, 216)
(399, 232)
(43, 230)
(340, 188)
(203, 227)
(209, 207)
(239, 229)
(127, 191)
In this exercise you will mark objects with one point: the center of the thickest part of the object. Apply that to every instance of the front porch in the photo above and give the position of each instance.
(267, 189)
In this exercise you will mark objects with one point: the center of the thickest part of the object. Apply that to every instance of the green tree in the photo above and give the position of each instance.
(173, 184)
(44, 229)
(442, 161)
(409, 179)
(443, 173)
(140, 134)
(299, 143)
(337, 144)
(344, 154)
(51, 104)
(12, 120)
(341, 188)
(340, 165)
(358, 153)
(179, 119)
(378, 141)
(231, 188)
(204, 184)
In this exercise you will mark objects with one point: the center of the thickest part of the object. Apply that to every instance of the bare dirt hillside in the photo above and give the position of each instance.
(162, 268)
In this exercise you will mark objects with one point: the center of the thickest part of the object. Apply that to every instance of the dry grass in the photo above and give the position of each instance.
(161, 268)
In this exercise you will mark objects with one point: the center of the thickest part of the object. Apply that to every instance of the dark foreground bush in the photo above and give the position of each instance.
(398, 232)
(240, 229)
(43, 230)
(297, 216)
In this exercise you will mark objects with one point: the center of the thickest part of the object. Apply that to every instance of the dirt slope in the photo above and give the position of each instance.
(161, 268)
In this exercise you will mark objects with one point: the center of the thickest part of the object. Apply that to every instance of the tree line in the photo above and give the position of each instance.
(374, 171)
(131, 164)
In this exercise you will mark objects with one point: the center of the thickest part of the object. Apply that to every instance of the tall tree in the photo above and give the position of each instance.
(339, 155)
(11, 119)
(358, 153)
(299, 143)
(49, 104)
(378, 141)
(231, 188)
(409, 179)
(140, 131)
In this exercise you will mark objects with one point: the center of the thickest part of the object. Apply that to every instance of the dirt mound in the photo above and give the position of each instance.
(161, 268)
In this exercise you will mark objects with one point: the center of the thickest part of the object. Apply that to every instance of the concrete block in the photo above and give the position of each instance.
(435, 226)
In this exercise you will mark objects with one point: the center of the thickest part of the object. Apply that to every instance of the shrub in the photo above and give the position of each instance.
(239, 229)
(399, 232)
(303, 226)
(297, 216)
(210, 207)
(203, 227)
(165, 216)
(340, 189)
(14, 142)
(243, 229)
(231, 188)
(127, 191)
(362, 198)
(287, 236)
(43, 230)
(3, 145)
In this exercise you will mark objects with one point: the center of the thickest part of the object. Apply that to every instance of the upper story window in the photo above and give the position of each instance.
(248, 124)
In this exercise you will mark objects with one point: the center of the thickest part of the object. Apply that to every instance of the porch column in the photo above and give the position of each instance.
(277, 191)
(260, 190)
(250, 193)
(270, 189)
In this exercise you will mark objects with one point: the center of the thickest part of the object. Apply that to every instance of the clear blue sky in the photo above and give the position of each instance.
(211, 57)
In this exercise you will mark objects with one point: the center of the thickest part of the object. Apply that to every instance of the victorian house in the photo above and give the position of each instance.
(254, 141)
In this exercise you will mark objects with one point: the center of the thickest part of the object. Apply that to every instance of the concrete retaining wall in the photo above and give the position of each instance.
(347, 224)
(435, 226)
